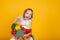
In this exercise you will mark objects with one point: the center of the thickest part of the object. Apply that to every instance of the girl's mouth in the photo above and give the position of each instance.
(27, 17)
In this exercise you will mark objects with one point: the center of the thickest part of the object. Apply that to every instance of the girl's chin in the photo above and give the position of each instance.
(27, 18)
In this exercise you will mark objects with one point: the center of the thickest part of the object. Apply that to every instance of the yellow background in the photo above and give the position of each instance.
(46, 17)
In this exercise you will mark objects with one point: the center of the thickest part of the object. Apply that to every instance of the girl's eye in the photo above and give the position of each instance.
(26, 13)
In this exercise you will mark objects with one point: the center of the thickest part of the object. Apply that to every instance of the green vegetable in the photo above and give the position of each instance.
(13, 26)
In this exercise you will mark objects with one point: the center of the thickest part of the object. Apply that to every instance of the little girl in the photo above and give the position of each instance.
(26, 22)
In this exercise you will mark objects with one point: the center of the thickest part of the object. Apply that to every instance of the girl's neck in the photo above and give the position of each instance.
(26, 18)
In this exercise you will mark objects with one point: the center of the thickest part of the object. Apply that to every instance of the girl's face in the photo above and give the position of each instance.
(28, 14)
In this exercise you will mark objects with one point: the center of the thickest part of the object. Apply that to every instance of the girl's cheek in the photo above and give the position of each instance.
(29, 16)
(26, 15)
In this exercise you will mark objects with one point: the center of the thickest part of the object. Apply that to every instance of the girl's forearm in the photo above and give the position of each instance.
(15, 20)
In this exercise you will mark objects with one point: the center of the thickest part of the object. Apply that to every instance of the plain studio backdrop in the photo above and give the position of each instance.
(46, 17)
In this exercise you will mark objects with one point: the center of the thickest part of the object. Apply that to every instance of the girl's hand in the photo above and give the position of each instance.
(26, 35)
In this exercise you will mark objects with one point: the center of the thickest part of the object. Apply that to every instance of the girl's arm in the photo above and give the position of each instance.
(17, 19)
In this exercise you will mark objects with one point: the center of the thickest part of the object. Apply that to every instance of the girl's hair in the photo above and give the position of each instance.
(26, 11)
